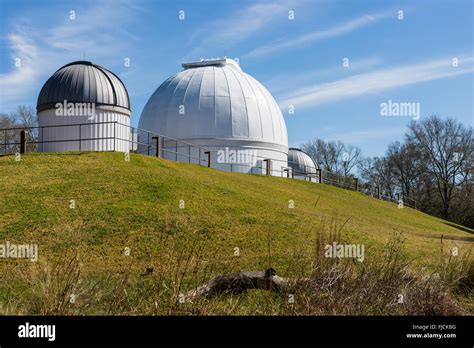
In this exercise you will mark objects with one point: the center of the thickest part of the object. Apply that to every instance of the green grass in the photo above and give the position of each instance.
(135, 204)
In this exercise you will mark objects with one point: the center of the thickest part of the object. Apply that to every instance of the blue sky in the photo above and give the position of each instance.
(300, 60)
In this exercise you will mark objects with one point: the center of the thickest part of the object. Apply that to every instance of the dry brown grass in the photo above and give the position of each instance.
(325, 286)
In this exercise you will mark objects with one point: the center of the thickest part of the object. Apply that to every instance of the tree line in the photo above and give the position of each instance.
(433, 165)
(23, 116)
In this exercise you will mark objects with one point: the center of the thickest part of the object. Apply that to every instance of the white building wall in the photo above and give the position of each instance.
(310, 178)
(255, 152)
(69, 129)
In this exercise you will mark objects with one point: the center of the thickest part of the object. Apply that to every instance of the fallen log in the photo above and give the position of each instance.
(239, 282)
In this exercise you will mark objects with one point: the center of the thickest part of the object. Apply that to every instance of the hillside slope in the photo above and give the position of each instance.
(116, 200)
(153, 207)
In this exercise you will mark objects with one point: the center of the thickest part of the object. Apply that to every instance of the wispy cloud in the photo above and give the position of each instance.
(377, 81)
(95, 28)
(42, 50)
(279, 84)
(17, 82)
(319, 35)
(355, 137)
(363, 136)
(240, 26)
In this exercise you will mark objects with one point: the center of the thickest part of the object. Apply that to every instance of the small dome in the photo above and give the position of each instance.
(215, 99)
(300, 162)
(84, 82)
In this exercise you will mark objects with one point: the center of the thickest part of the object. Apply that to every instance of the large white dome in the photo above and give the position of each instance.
(215, 99)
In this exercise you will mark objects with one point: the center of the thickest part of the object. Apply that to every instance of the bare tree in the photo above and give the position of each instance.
(350, 158)
(366, 168)
(405, 159)
(333, 156)
(322, 153)
(337, 149)
(447, 148)
(6, 121)
(23, 116)
(378, 172)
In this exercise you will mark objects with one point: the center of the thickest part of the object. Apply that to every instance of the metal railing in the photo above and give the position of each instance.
(125, 138)
(397, 197)
(84, 137)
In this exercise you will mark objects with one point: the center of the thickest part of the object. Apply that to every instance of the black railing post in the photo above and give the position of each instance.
(148, 142)
(269, 162)
(208, 153)
(23, 141)
(157, 138)
(5, 141)
(80, 137)
(356, 184)
(42, 139)
(320, 175)
(158, 147)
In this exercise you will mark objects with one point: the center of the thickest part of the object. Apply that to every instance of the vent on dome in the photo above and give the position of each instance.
(211, 62)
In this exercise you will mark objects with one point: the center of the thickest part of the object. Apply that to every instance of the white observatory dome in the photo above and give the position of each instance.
(213, 103)
(302, 165)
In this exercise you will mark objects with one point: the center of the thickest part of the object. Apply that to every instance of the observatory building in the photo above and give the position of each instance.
(214, 104)
(82, 101)
(302, 166)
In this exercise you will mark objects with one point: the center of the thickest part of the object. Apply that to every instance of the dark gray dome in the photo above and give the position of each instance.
(84, 82)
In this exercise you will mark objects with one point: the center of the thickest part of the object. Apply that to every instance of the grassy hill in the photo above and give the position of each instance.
(100, 221)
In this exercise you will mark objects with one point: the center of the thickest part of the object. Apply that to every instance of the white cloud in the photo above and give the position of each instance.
(246, 23)
(376, 81)
(280, 83)
(43, 50)
(319, 35)
(94, 28)
(242, 25)
(355, 137)
(19, 80)
(364, 136)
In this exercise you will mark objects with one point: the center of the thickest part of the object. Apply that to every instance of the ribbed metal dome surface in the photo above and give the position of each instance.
(217, 101)
(84, 82)
(300, 162)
